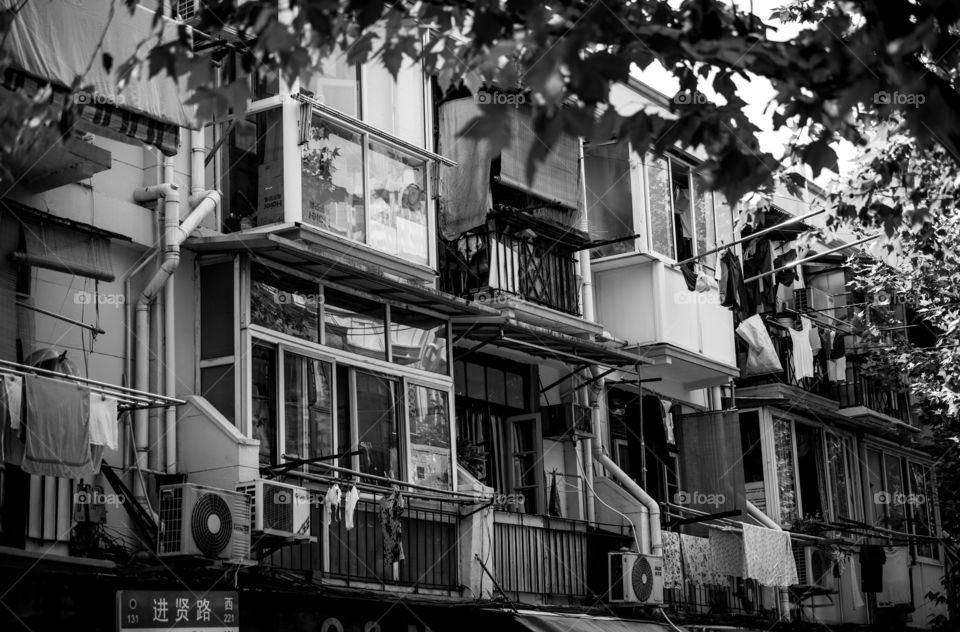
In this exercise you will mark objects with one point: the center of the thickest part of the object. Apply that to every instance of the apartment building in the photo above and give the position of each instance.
(355, 371)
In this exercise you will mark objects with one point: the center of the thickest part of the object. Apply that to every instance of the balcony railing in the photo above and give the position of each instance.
(553, 557)
(429, 539)
(491, 262)
(872, 393)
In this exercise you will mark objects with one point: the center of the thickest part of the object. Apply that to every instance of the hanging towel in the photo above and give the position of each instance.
(761, 356)
(896, 577)
(697, 561)
(872, 559)
(13, 387)
(57, 420)
(672, 572)
(331, 504)
(854, 578)
(768, 556)
(11, 444)
(802, 353)
(350, 505)
(391, 511)
(726, 551)
(837, 370)
(103, 421)
(815, 344)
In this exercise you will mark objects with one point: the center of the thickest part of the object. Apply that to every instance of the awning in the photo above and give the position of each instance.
(335, 269)
(56, 245)
(570, 622)
(56, 40)
(507, 333)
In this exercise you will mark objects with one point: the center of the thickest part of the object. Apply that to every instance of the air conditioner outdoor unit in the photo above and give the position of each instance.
(635, 578)
(278, 509)
(559, 420)
(189, 10)
(204, 521)
(811, 298)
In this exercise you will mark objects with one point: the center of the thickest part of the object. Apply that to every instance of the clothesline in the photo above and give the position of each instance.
(812, 257)
(128, 398)
(750, 237)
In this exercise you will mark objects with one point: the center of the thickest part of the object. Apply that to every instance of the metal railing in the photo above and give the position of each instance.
(429, 539)
(818, 384)
(871, 392)
(490, 261)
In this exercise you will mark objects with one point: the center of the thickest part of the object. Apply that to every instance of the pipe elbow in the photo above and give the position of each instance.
(168, 191)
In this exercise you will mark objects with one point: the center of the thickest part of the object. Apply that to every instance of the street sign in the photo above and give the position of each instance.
(177, 610)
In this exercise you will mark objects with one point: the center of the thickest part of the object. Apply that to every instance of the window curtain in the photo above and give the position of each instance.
(464, 188)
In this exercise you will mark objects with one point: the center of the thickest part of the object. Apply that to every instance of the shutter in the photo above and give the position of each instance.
(711, 461)
(557, 178)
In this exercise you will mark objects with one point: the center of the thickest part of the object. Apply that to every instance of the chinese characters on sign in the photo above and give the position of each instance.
(155, 610)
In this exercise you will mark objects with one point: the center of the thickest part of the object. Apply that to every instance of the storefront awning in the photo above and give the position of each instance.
(508, 333)
(337, 270)
(569, 622)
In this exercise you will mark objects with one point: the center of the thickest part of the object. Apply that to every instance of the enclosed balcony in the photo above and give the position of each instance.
(869, 391)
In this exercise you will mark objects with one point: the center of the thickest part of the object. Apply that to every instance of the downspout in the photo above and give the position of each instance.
(175, 234)
(589, 315)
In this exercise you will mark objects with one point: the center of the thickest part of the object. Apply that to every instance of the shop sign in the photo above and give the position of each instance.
(179, 610)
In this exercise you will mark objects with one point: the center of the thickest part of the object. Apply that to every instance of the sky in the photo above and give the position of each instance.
(758, 93)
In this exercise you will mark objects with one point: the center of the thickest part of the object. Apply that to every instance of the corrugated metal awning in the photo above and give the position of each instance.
(509, 333)
(570, 622)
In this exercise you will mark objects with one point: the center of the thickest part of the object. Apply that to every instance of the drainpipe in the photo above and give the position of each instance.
(174, 235)
(754, 512)
(589, 314)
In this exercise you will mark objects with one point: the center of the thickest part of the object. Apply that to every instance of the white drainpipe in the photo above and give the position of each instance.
(589, 314)
(174, 234)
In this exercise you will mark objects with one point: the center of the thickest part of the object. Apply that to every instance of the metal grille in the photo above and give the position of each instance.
(240, 544)
(277, 507)
(800, 556)
(186, 9)
(171, 520)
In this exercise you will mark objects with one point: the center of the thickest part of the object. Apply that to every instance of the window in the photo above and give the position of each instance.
(661, 208)
(377, 424)
(525, 461)
(609, 197)
(903, 497)
(354, 324)
(284, 303)
(371, 94)
(365, 190)
(428, 417)
(921, 503)
(217, 370)
(418, 341)
(783, 447)
(307, 407)
(264, 400)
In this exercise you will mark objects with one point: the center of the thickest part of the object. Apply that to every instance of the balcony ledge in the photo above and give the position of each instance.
(869, 418)
(795, 396)
(690, 368)
(543, 316)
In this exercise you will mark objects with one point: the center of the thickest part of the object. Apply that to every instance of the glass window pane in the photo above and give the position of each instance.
(284, 303)
(354, 324)
(377, 425)
(264, 395)
(431, 461)
(836, 462)
(398, 204)
(307, 407)
(395, 106)
(661, 209)
(516, 393)
(249, 165)
(705, 220)
(216, 310)
(459, 379)
(295, 444)
(496, 386)
(609, 201)
(875, 482)
(332, 182)
(896, 492)
(344, 439)
(724, 219)
(319, 409)
(683, 226)
(336, 83)
(418, 341)
(783, 443)
(476, 381)
(216, 385)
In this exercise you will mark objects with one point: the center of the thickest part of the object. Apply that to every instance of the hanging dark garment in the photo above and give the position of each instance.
(838, 349)
(788, 276)
(689, 276)
(872, 559)
(756, 261)
(391, 511)
(553, 509)
(733, 293)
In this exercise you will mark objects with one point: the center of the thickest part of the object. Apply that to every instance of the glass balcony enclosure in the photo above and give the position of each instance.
(364, 172)
(661, 200)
